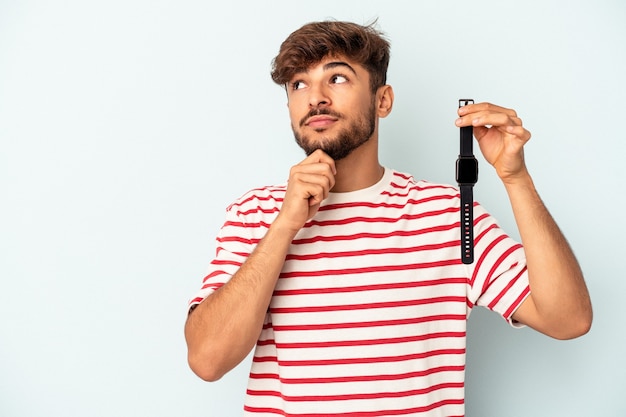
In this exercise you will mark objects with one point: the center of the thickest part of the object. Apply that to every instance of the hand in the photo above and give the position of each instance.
(309, 184)
(500, 135)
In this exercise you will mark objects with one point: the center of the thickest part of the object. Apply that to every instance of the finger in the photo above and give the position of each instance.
(485, 107)
(488, 119)
(480, 132)
(311, 181)
(319, 156)
(314, 187)
(519, 132)
(483, 119)
(486, 114)
(314, 172)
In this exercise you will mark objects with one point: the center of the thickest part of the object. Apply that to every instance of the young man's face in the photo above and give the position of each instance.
(331, 107)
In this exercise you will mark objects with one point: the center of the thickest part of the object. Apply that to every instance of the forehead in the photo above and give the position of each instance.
(330, 63)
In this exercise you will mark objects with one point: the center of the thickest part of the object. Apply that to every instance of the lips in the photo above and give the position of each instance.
(319, 121)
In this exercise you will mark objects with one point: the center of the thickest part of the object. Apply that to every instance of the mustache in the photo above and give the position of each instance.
(318, 112)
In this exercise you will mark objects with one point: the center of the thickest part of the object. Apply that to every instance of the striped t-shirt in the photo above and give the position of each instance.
(368, 317)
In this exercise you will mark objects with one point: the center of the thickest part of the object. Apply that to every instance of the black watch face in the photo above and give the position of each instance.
(467, 171)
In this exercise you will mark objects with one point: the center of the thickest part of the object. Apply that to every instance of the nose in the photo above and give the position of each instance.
(318, 96)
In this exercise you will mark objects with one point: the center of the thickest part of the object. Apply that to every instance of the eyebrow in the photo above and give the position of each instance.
(336, 64)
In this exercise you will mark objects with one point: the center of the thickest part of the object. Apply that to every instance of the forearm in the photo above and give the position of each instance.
(559, 294)
(224, 328)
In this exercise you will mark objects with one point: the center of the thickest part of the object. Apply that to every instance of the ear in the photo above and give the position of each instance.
(384, 100)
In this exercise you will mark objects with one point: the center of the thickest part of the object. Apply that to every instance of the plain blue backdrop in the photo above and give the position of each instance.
(127, 127)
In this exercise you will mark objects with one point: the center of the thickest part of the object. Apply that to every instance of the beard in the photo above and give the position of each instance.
(346, 140)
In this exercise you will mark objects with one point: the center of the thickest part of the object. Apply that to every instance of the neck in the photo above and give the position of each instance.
(360, 169)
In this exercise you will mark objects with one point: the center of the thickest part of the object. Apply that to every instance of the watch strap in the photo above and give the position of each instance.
(467, 194)
(467, 224)
(467, 141)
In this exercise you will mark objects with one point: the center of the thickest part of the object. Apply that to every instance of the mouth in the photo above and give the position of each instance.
(320, 121)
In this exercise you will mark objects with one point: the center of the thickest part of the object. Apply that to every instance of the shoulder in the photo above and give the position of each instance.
(259, 199)
(404, 184)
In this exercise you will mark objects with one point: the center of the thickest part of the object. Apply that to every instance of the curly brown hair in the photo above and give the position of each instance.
(315, 41)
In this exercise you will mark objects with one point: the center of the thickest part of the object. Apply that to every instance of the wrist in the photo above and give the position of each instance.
(521, 178)
(283, 228)
(521, 190)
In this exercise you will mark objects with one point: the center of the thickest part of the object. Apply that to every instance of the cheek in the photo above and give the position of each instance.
(294, 113)
(293, 118)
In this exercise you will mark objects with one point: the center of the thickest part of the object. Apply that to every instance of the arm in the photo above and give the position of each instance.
(559, 303)
(223, 329)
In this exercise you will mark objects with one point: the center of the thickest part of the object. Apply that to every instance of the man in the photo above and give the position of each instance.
(348, 279)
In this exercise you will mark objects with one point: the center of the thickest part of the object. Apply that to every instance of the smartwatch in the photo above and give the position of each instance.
(466, 177)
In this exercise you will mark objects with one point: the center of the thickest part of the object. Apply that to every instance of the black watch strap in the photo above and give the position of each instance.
(466, 154)
(467, 224)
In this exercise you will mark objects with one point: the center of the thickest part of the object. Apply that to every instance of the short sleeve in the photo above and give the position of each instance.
(247, 221)
(499, 277)
(234, 244)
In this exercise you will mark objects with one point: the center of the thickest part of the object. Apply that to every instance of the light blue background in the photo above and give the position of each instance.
(127, 126)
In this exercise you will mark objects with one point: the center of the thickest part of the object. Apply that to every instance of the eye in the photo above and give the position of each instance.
(297, 85)
(338, 79)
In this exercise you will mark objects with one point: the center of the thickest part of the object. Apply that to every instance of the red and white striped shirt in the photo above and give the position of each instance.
(368, 317)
